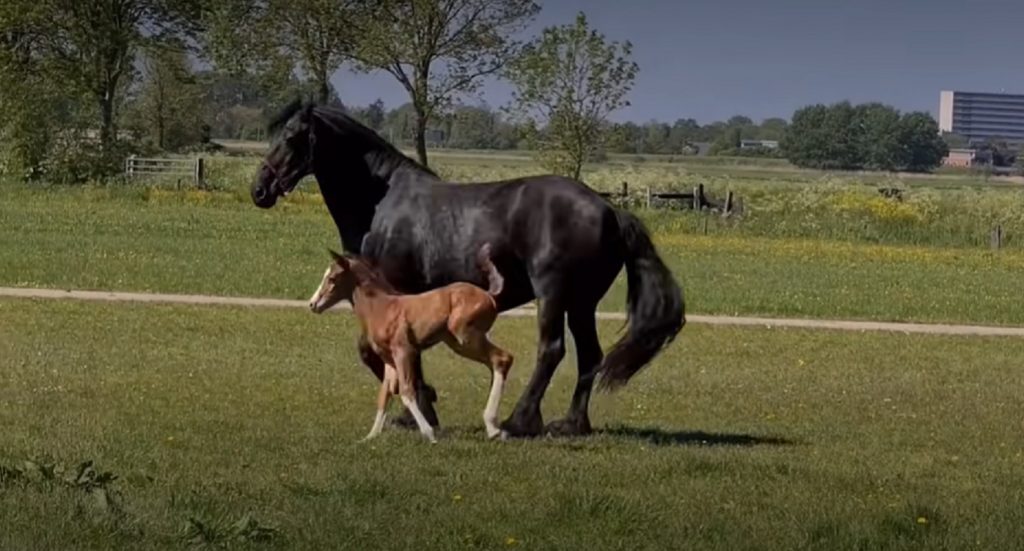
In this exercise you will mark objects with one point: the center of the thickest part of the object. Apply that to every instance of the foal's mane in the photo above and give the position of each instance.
(343, 123)
(368, 274)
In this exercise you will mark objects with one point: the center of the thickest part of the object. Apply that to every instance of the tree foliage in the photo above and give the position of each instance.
(78, 61)
(567, 82)
(314, 37)
(440, 49)
(869, 136)
(169, 107)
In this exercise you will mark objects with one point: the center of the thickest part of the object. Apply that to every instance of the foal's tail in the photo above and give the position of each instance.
(495, 282)
(655, 308)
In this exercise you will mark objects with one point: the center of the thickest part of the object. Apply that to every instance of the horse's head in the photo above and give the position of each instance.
(338, 284)
(290, 158)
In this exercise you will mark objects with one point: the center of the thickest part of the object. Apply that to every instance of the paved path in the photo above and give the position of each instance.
(933, 329)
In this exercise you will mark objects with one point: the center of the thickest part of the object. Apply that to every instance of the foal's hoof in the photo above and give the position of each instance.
(521, 426)
(408, 422)
(497, 434)
(569, 427)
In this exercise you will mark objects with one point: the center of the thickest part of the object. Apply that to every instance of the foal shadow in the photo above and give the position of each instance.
(659, 437)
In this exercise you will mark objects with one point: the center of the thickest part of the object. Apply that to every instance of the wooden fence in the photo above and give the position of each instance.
(181, 169)
(695, 200)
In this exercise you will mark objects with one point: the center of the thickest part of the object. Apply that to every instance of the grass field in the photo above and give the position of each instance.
(195, 242)
(733, 439)
(237, 427)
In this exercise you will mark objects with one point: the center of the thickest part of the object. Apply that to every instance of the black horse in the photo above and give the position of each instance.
(552, 238)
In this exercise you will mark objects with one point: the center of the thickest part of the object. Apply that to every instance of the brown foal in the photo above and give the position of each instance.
(400, 327)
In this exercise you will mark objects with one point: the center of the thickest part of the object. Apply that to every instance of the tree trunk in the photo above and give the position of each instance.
(108, 132)
(421, 136)
(160, 132)
(325, 90)
(577, 169)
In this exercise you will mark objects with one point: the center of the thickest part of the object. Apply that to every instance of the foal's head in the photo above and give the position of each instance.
(345, 273)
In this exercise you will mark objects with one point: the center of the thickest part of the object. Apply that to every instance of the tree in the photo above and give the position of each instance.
(924, 147)
(656, 137)
(74, 63)
(805, 141)
(684, 132)
(728, 143)
(473, 127)
(879, 131)
(94, 45)
(875, 136)
(997, 152)
(315, 36)
(374, 115)
(772, 129)
(566, 83)
(438, 49)
(169, 106)
(27, 100)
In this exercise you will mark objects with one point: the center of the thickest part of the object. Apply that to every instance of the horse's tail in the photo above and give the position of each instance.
(655, 309)
(495, 282)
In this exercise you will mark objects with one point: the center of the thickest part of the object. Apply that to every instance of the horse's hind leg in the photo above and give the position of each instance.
(583, 325)
(425, 393)
(405, 361)
(501, 364)
(526, 419)
(387, 388)
(476, 346)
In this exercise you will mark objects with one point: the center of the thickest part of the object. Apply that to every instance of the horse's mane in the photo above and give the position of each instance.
(286, 113)
(342, 122)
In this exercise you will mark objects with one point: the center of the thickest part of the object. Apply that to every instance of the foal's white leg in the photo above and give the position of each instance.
(491, 411)
(421, 421)
(384, 395)
(378, 425)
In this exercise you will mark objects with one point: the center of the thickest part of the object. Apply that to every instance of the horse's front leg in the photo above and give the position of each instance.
(425, 394)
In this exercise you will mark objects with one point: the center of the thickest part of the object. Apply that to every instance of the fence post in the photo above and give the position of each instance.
(648, 201)
(625, 190)
(728, 204)
(199, 173)
(696, 200)
(997, 237)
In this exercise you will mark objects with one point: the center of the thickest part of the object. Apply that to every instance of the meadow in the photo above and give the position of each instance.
(955, 209)
(236, 426)
(152, 239)
(218, 427)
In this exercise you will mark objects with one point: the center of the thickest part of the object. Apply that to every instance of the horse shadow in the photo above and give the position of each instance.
(651, 436)
(660, 437)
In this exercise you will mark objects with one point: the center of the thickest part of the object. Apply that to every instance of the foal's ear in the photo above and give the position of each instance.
(341, 260)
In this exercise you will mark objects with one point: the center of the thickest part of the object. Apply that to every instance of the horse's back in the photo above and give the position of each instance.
(534, 226)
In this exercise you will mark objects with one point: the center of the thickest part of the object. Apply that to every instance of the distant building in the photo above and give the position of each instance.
(767, 144)
(960, 157)
(980, 116)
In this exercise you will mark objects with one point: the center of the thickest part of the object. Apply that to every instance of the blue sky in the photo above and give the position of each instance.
(710, 60)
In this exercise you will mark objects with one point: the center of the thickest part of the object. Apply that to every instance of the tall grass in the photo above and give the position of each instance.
(776, 204)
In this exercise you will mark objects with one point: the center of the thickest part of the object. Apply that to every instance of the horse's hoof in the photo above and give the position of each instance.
(496, 434)
(523, 426)
(569, 427)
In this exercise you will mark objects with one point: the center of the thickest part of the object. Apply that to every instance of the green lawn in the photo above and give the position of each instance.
(140, 239)
(734, 439)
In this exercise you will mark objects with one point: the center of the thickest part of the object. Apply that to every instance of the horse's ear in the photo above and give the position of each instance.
(340, 259)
